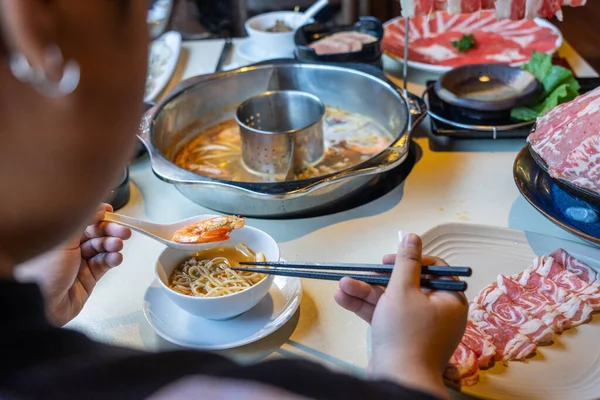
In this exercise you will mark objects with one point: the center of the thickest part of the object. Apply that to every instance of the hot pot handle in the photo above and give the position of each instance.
(390, 157)
(171, 173)
(163, 168)
(417, 110)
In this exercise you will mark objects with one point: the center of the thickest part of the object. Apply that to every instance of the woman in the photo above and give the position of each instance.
(72, 83)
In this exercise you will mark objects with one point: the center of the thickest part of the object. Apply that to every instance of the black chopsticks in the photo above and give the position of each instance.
(425, 270)
(224, 54)
(296, 270)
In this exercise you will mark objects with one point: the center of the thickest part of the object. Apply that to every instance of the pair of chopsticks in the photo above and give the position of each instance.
(224, 54)
(310, 271)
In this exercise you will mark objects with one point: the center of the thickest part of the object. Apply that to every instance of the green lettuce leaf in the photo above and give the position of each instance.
(559, 84)
(524, 113)
(539, 64)
(555, 77)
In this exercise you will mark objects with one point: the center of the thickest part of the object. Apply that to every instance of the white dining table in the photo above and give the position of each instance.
(468, 181)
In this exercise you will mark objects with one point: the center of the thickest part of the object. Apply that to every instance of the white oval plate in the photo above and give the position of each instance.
(567, 369)
(162, 62)
(177, 326)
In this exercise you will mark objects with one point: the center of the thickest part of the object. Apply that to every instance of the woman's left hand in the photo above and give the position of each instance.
(68, 275)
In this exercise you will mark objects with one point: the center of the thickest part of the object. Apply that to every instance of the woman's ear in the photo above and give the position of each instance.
(29, 28)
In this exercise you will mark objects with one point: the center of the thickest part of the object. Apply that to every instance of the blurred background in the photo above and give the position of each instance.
(198, 19)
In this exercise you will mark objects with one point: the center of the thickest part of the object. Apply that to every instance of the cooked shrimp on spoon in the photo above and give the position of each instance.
(216, 229)
(188, 234)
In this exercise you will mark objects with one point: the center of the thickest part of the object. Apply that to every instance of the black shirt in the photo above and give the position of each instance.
(38, 360)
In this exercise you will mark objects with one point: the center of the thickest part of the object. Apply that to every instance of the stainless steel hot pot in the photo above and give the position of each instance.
(203, 101)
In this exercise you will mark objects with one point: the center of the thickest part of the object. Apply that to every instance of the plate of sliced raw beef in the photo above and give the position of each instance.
(566, 145)
(532, 331)
(495, 41)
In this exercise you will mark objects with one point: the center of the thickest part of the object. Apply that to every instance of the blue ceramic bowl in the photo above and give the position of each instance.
(573, 214)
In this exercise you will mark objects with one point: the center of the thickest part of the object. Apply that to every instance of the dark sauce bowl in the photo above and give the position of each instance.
(120, 195)
(369, 54)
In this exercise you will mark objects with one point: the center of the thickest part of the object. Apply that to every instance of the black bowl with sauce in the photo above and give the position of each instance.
(369, 54)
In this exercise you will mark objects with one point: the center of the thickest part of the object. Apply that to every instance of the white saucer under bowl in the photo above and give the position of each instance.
(255, 53)
(177, 326)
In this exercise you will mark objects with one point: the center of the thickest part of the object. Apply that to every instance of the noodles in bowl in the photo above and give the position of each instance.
(209, 273)
(203, 283)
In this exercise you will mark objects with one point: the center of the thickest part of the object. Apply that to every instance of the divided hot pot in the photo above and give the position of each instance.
(202, 102)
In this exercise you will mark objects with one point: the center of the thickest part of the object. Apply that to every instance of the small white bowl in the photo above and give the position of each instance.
(228, 306)
(279, 44)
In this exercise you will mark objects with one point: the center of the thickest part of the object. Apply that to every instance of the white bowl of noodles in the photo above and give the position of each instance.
(202, 284)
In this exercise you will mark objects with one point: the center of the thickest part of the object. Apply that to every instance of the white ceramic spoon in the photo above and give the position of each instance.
(163, 232)
(312, 11)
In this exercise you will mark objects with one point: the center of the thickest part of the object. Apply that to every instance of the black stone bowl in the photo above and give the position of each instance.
(487, 87)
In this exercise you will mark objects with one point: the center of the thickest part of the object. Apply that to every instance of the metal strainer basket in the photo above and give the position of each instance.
(281, 133)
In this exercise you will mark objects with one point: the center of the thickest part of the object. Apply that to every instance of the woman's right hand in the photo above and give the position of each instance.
(414, 331)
